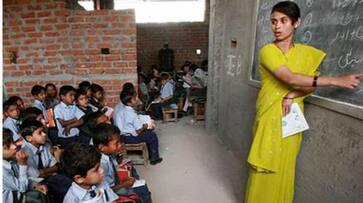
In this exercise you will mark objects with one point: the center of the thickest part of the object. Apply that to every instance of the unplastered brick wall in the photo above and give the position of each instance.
(183, 38)
(54, 44)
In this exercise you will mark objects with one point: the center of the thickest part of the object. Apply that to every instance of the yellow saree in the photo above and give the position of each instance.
(272, 158)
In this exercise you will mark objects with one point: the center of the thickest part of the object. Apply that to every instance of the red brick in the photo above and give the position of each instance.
(77, 33)
(62, 13)
(9, 67)
(55, 72)
(103, 64)
(62, 26)
(46, 27)
(23, 60)
(14, 23)
(32, 21)
(112, 58)
(44, 14)
(34, 7)
(118, 25)
(31, 41)
(17, 36)
(28, 15)
(100, 25)
(50, 53)
(111, 32)
(52, 34)
(50, 20)
(17, 73)
(35, 34)
(96, 71)
(53, 47)
(39, 72)
(104, 45)
(54, 60)
(75, 19)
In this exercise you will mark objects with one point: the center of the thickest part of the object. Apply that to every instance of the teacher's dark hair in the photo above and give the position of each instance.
(289, 8)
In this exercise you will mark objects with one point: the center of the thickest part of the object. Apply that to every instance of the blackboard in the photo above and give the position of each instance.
(334, 26)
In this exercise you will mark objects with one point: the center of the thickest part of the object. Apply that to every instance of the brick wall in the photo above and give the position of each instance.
(183, 38)
(55, 44)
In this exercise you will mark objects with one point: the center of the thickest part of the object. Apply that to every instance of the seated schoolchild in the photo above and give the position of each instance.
(43, 164)
(82, 164)
(33, 113)
(19, 102)
(38, 93)
(135, 131)
(68, 117)
(165, 100)
(86, 86)
(82, 101)
(90, 122)
(95, 101)
(12, 122)
(127, 87)
(108, 141)
(51, 99)
(15, 178)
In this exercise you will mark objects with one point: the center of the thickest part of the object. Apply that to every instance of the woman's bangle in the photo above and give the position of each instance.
(315, 81)
(288, 98)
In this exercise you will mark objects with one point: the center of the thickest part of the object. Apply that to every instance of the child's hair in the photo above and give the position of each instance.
(37, 89)
(165, 76)
(128, 87)
(14, 99)
(7, 104)
(103, 133)
(50, 85)
(28, 127)
(84, 85)
(127, 96)
(96, 88)
(288, 8)
(65, 89)
(80, 92)
(78, 158)
(7, 137)
(31, 113)
(90, 121)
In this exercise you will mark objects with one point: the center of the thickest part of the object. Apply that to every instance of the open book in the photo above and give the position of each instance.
(294, 122)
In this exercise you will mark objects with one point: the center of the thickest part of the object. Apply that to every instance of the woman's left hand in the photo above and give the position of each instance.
(286, 105)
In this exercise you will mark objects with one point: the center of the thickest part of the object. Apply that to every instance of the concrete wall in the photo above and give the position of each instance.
(63, 46)
(330, 164)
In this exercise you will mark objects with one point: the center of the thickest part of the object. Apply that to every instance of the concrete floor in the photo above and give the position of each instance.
(196, 167)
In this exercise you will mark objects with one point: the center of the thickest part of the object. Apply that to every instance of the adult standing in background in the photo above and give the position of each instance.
(166, 58)
(289, 73)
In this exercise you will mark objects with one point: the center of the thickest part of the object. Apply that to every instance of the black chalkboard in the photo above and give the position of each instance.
(334, 26)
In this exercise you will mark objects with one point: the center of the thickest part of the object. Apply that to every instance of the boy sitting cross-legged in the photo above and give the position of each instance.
(12, 122)
(107, 140)
(82, 164)
(68, 117)
(41, 162)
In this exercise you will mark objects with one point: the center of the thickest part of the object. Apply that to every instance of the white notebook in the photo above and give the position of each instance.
(294, 122)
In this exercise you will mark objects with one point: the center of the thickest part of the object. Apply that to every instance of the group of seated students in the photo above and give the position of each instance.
(81, 159)
(171, 89)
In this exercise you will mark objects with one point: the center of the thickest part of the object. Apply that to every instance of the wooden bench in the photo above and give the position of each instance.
(144, 158)
(170, 115)
(199, 110)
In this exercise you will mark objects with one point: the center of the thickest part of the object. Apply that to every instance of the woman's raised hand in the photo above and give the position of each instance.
(350, 81)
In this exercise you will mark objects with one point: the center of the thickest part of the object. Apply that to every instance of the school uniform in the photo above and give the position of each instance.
(167, 90)
(13, 125)
(86, 110)
(95, 104)
(15, 181)
(116, 113)
(128, 123)
(38, 158)
(109, 165)
(66, 112)
(77, 194)
(41, 106)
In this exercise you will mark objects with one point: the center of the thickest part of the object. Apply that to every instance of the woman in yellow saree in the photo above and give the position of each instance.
(289, 72)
